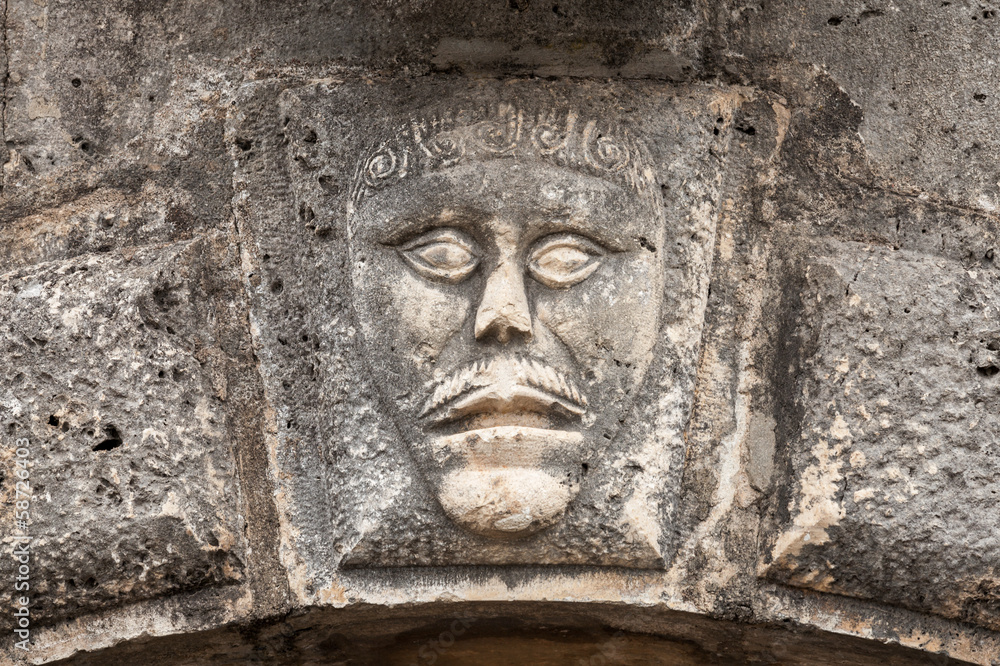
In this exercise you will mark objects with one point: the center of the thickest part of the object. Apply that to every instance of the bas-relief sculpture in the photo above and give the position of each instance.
(499, 257)
(505, 312)
(298, 295)
(513, 316)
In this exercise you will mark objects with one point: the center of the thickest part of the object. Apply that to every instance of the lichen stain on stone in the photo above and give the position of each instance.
(839, 429)
(334, 595)
(855, 626)
(725, 104)
(863, 494)
(960, 646)
(818, 507)
(38, 107)
(784, 118)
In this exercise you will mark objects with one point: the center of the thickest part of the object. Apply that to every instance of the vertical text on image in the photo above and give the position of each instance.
(22, 543)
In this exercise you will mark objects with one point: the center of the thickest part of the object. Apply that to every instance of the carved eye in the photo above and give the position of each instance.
(562, 260)
(442, 255)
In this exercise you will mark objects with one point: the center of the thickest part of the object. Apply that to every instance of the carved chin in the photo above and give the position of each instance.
(505, 503)
(509, 481)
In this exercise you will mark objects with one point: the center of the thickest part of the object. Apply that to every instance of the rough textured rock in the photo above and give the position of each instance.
(114, 374)
(309, 368)
(922, 73)
(896, 465)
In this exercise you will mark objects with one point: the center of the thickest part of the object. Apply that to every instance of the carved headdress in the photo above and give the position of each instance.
(561, 137)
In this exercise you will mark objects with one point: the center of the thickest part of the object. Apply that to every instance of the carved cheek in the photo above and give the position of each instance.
(566, 314)
(406, 318)
(425, 315)
(612, 316)
(632, 320)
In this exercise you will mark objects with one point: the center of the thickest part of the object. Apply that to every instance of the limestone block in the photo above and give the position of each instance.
(102, 97)
(891, 489)
(478, 313)
(112, 371)
(925, 129)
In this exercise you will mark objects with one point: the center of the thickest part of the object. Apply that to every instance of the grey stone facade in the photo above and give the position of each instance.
(508, 332)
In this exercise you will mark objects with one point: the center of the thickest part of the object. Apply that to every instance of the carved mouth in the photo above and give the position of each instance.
(505, 391)
(506, 405)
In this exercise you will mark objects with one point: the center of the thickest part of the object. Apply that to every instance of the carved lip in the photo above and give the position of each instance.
(508, 446)
(500, 399)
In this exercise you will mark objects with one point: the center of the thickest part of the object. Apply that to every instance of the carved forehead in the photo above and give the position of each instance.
(435, 140)
(533, 197)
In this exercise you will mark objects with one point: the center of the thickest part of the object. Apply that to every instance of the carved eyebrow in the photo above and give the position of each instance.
(585, 226)
(445, 233)
(406, 227)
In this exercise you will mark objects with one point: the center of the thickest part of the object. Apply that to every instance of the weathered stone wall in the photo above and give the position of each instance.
(795, 459)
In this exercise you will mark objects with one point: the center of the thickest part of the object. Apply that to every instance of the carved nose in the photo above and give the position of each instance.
(503, 312)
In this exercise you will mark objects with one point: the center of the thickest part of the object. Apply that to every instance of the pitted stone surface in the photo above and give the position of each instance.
(389, 431)
(112, 372)
(894, 480)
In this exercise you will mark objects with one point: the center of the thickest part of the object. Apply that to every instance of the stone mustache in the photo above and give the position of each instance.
(502, 385)
(508, 301)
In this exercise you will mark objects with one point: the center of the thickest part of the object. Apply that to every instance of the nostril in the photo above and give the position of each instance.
(503, 325)
(503, 312)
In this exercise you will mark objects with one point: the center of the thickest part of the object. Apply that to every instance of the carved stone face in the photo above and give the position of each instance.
(509, 308)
